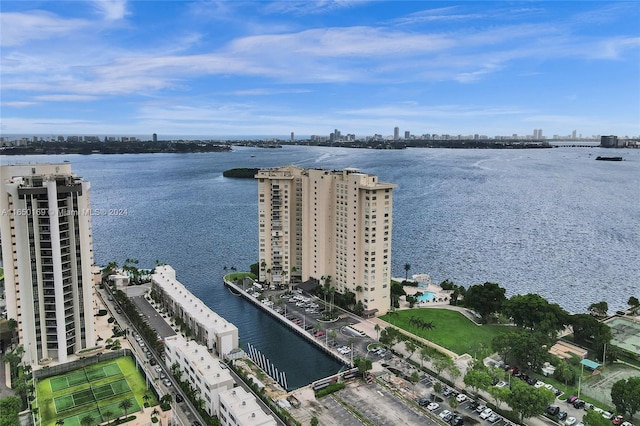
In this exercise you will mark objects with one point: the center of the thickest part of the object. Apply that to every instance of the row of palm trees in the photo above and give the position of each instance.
(124, 405)
(421, 324)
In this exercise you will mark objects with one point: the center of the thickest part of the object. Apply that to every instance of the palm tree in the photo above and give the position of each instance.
(407, 267)
(424, 355)
(106, 415)
(125, 405)
(377, 329)
(60, 422)
(86, 420)
(332, 291)
(155, 412)
(146, 397)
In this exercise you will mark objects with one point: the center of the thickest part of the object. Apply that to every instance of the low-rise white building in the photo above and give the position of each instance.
(200, 369)
(240, 408)
(208, 327)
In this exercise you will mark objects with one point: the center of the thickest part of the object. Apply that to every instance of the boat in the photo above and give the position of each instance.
(600, 158)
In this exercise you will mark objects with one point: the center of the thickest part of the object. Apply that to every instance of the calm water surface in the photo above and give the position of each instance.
(553, 222)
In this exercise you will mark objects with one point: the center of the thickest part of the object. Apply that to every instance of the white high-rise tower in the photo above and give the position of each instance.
(47, 253)
(325, 223)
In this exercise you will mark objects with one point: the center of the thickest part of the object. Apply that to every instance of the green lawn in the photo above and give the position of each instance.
(452, 330)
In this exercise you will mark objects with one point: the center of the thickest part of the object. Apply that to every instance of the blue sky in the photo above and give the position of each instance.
(216, 68)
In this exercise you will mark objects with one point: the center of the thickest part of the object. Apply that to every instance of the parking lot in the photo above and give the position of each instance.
(338, 335)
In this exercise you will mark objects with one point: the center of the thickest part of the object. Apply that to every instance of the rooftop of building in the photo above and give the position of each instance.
(207, 366)
(164, 276)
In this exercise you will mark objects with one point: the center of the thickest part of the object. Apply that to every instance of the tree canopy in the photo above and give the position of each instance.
(593, 418)
(477, 379)
(599, 309)
(534, 312)
(625, 395)
(528, 401)
(10, 407)
(485, 299)
(587, 330)
(523, 348)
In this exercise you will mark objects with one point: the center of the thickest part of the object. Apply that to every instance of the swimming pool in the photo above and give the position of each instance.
(427, 296)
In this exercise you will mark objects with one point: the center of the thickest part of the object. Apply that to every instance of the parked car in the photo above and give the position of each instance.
(553, 410)
(493, 418)
(570, 421)
(433, 406)
(578, 403)
(562, 415)
(607, 415)
(457, 421)
(461, 397)
(423, 402)
(473, 405)
(179, 397)
(480, 408)
(446, 415)
(572, 399)
(486, 413)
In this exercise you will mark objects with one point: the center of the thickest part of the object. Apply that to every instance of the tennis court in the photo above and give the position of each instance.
(77, 419)
(73, 400)
(625, 334)
(110, 389)
(79, 377)
(68, 380)
(599, 385)
(102, 372)
(96, 390)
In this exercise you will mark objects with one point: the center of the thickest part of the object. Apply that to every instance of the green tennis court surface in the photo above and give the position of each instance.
(96, 390)
(78, 377)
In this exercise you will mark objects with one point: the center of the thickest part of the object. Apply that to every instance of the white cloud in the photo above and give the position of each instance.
(19, 28)
(111, 10)
(19, 104)
(316, 7)
(66, 98)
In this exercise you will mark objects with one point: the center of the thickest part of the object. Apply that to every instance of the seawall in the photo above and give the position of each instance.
(293, 327)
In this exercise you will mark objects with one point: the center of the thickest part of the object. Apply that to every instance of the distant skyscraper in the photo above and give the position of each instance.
(47, 253)
(573, 134)
(396, 133)
(155, 137)
(407, 135)
(325, 223)
(292, 137)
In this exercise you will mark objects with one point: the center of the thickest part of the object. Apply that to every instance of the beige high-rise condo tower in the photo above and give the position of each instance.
(47, 252)
(327, 223)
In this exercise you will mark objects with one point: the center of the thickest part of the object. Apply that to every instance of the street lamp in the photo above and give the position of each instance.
(580, 379)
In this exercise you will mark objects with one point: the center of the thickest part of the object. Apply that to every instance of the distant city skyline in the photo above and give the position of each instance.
(215, 69)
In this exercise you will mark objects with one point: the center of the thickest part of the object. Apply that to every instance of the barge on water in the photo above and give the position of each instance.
(601, 158)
